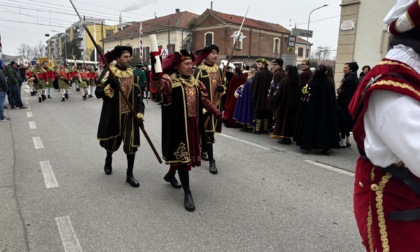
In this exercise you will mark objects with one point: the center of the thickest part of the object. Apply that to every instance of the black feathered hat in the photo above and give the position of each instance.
(118, 50)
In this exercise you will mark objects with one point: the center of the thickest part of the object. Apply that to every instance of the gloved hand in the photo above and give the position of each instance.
(153, 59)
(140, 119)
(115, 84)
(220, 89)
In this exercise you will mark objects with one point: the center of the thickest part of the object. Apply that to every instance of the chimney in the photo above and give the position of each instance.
(120, 22)
(211, 5)
(177, 10)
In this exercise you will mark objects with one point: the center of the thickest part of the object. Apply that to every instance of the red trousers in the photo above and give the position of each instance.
(376, 194)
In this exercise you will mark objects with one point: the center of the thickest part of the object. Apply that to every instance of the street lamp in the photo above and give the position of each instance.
(309, 19)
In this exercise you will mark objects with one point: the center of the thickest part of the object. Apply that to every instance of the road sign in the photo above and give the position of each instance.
(164, 53)
(302, 33)
(289, 59)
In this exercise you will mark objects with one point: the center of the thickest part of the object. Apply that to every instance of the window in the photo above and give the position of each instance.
(239, 45)
(307, 52)
(208, 38)
(108, 32)
(300, 52)
(276, 45)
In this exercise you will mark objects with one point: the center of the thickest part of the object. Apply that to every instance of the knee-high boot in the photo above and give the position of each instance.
(265, 125)
(108, 163)
(185, 182)
(130, 164)
(212, 167)
(258, 123)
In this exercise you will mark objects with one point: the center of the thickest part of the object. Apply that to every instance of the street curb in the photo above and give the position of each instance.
(12, 231)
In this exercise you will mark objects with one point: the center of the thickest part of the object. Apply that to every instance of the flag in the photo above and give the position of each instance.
(141, 41)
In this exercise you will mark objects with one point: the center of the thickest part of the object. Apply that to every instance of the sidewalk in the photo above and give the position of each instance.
(12, 233)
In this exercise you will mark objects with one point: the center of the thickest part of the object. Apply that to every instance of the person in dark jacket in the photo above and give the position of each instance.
(13, 82)
(345, 93)
(260, 86)
(117, 124)
(3, 92)
(305, 75)
(365, 70)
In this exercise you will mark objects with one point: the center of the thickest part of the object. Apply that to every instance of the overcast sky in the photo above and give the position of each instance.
(27, 21)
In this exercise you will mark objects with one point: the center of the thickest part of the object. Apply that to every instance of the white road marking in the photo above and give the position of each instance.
(38, 143)
(29, 114)
(68, 236)
(49, 177)
(330, 168)
(246, 142)
(32, 125)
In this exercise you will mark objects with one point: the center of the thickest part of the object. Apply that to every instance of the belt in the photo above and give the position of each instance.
(404, 175)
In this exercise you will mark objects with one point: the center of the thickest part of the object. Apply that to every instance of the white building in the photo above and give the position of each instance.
(362, 37)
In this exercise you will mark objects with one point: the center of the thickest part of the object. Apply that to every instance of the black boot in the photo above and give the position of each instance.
(170, 177)
(185, 181)
(66, 96)
(212, 167)
(40, 99)
(108, 163)
(44, 97)
(204, 156)
(130, 178)
(63, 99)
(49, 96)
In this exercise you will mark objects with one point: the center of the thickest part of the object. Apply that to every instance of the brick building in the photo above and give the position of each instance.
(262, 39)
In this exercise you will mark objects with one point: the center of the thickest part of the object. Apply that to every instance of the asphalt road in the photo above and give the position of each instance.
(266, 197)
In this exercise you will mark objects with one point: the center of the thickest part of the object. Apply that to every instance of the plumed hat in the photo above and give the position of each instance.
(116, 53)
(262, 60)
(403, 17)
(203, 53)
(170, 63)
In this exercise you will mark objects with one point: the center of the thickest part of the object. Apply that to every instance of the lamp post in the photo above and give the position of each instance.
(309, 21)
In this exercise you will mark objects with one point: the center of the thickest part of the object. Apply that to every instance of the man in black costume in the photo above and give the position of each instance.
(260, 86)
(211, 75)
(117, 123)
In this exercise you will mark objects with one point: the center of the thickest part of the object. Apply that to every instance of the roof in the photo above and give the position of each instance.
(249, 22)
(179, 20)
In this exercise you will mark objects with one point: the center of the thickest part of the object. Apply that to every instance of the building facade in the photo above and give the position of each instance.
(173, 32)
(362, 36)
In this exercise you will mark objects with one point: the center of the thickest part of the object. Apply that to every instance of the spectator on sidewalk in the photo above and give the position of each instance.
(13, 82)
(3, 91)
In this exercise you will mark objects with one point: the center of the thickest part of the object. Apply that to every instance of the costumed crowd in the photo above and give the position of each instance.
(288, 103)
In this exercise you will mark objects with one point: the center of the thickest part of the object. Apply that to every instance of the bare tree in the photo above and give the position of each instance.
(24, 50)
(40, 49)
(321, 53)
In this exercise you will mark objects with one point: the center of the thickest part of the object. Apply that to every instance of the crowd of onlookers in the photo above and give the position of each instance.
(293, 103)
(11, 78)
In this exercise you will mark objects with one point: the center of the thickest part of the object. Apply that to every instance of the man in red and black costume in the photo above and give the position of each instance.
(211, 75)
(117, 123)
(184, 97)
(386, 109)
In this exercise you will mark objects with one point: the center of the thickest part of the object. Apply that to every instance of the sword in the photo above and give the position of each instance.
(99, 50)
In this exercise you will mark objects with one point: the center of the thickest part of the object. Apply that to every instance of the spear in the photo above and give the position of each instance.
(119, 88)
(238, 37)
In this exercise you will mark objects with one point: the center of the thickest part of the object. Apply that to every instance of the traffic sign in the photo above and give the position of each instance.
(164, 53)
(302, 33)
